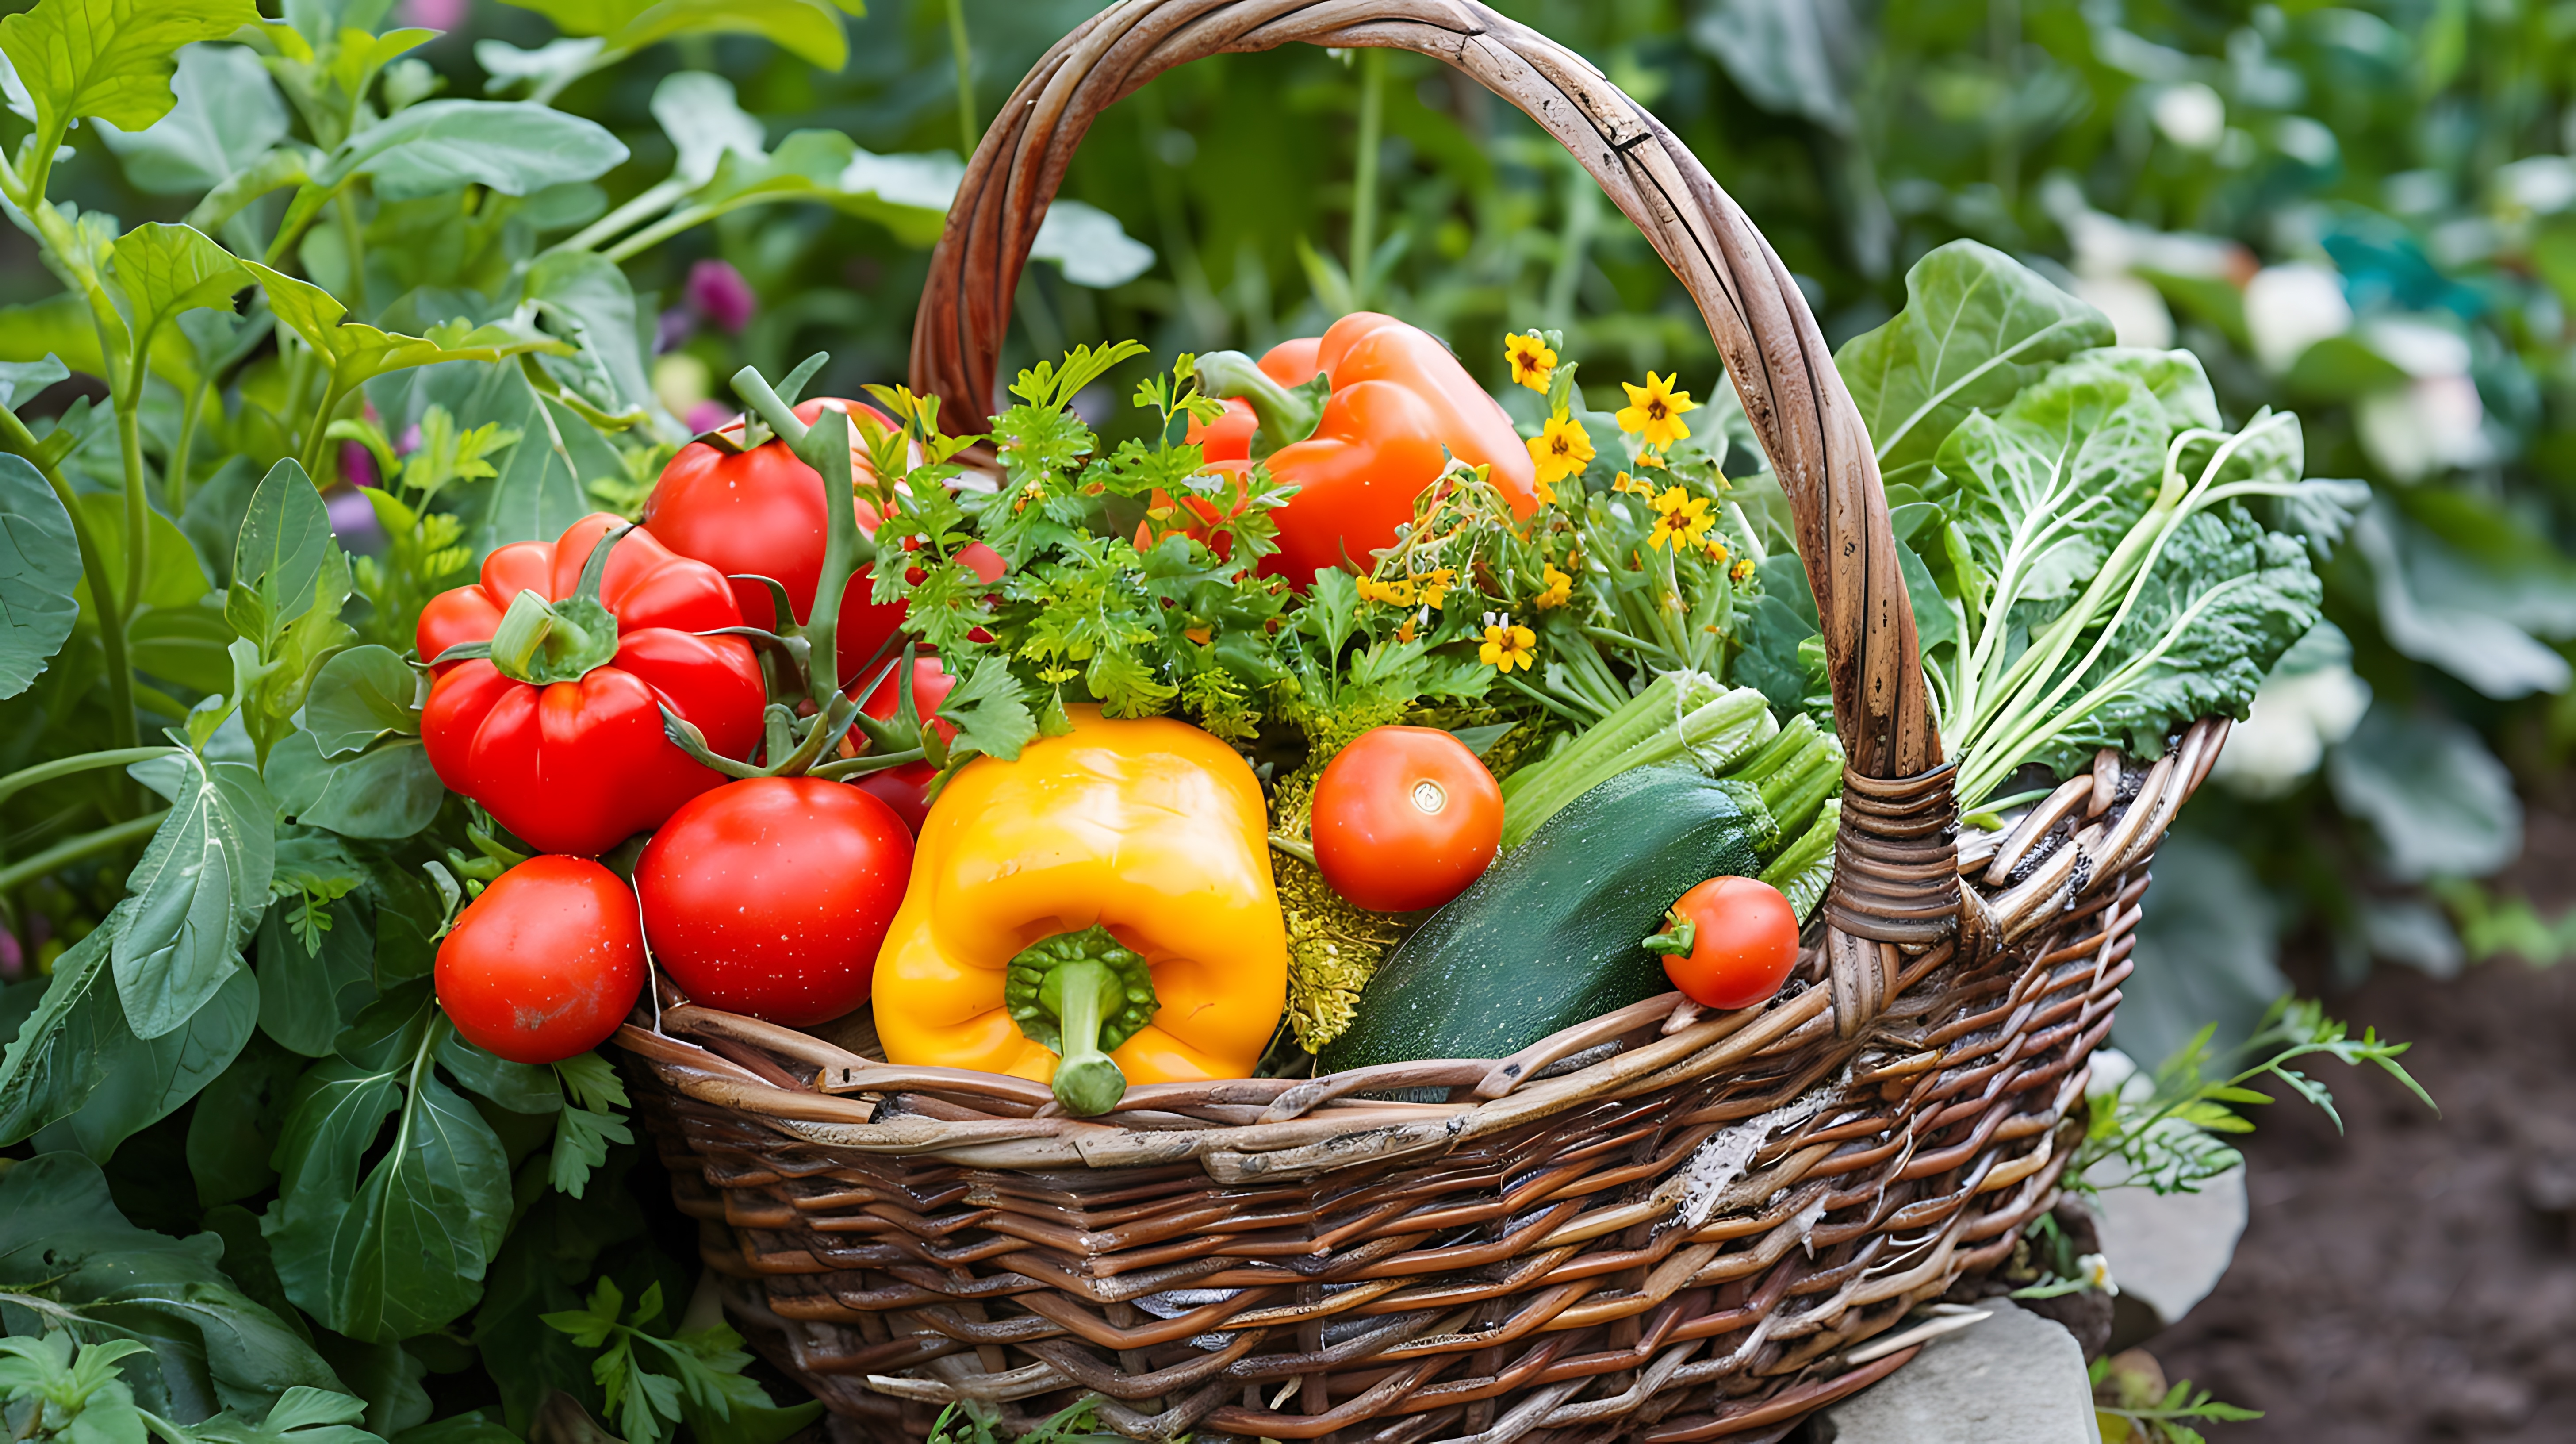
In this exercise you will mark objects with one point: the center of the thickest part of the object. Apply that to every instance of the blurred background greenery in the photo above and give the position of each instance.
(2364, 212)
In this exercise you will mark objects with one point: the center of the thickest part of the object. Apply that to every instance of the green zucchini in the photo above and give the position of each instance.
(1549, 936)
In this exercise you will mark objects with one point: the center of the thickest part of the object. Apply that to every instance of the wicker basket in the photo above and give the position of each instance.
(1663, 1224)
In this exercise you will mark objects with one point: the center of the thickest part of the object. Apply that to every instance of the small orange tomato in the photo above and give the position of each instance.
(1729, 942)
(1404, 818)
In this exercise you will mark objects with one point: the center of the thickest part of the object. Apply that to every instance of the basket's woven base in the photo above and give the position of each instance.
(1669, 1263)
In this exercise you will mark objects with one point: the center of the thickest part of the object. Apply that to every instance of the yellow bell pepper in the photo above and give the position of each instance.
(1107, 897)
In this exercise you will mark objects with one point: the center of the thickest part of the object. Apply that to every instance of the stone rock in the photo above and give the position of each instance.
(2168, 1250)
(2014, 1378)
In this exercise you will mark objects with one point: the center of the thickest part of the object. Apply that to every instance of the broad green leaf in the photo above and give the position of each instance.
(284, 541)
(238, 1120)
(305, 997)
(161, 270)
(1977, 327)
(186, 645)
(61, 1232)
(289, 163)
(807, 29)
(358, 352)
(110, 58)
(2050, 485)
(539, 490)
(39, 567)
(57, 326)
(514, 147)
(404, 1249)
(64, 1049)
(151, 1078)
(199, 890)
(319, 20)
(586, 296)
(302, 1416)
(387, 792)
(228, 114)
(358, 696)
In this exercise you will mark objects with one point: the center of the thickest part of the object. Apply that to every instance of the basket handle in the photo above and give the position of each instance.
(1895, 882)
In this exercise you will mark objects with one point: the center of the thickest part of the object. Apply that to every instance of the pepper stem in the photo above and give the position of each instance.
(1081, 995)
(1288, 414)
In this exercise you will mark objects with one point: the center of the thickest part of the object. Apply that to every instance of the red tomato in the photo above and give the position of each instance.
(901, 787)
(545, 964)
(1404, 818)
(770, 896)
(1744, 941)
(760, 513)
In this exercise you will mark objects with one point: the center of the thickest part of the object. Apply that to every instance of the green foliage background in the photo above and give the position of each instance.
(2366, 213)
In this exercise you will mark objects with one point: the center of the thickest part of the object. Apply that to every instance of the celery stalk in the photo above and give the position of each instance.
(1680, 717)
(1804, 868)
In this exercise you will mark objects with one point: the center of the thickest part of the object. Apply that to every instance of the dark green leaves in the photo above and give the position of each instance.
(360, 695)
(1976, 328)
(39, 566)
(110, 58)
(399, 1248)
(808, 29)
(162, 270)
(61, 1235)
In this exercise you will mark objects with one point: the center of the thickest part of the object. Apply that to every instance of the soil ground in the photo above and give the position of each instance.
(2415, 1279)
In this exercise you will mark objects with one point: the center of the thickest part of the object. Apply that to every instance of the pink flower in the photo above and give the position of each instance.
(718, 292)
(353, 521)
(357, 464)
(409, 441)
(709, 416)
(435, 14)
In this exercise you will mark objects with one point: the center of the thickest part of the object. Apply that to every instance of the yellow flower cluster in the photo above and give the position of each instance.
(1560, 589)
(1430, 589)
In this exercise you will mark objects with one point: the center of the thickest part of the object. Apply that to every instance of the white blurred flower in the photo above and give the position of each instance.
(2542, 183)
(2294, 720)
(2191, 115)
(2095, 1270)
(2421, 349)
(2137, 310)
(2430, 424)
(2290, 308)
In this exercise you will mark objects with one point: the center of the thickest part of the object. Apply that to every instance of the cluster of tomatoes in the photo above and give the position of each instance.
(768, 896)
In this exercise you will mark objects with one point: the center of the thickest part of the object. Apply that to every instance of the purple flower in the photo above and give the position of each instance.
(353, 520)
(718, 292)
(13, 958)
(409, 441)
(709, 416)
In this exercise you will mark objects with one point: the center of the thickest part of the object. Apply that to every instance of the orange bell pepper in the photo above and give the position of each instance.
(1105, 899)
(1362, 419)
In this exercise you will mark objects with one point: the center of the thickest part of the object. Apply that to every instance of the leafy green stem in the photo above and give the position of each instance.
(966, 128)
(652, 201)
(73, 849)
(175, 482)
(26, 777)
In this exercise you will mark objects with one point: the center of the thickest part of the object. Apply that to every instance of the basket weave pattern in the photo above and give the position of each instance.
(1664, 1224)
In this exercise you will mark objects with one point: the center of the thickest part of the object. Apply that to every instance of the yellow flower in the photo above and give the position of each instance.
(1533, 362)
(1397, 592)
(1655, 410)
(1714, 549)
(1680, 518)
(1560, 450)
(1742, 571)
(1651, 457)
(1624, 483)
(1507, 646)
(1560, 589)
(1435, 586)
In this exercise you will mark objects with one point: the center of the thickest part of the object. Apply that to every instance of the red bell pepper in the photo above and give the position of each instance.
(552, 716)
(1393, 406)
(759, 512)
